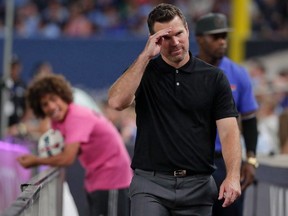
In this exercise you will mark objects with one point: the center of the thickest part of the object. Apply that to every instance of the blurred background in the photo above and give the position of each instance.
(91, 42)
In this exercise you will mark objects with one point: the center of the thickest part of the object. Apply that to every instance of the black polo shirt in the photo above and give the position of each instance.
(176, 113)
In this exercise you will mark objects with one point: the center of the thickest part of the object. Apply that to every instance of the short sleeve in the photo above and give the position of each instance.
(224, 103)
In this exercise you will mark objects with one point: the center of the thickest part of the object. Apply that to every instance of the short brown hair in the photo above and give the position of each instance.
(164, 13)
(49, 84)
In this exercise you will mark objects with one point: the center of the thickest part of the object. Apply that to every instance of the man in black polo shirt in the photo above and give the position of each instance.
(180, 100)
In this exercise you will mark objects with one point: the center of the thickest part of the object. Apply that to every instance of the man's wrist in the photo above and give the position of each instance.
(250, 153)
(253, 161)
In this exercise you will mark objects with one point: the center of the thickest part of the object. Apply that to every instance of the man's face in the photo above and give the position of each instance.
(16, 71)
(214, 45)
(174, 46)
(54, 107)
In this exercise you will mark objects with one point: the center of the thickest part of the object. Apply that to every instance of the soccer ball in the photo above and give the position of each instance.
(50, 143)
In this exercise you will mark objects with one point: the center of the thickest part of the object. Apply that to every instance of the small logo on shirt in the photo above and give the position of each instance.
(233, 87)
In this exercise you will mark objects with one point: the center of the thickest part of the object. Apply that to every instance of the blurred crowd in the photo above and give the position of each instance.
(118, 18)
(272, 95)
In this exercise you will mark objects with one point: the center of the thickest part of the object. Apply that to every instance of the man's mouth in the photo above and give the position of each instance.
(55, 114)
(176, 51)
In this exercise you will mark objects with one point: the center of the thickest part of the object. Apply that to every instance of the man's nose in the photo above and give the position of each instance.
(51, 106)
(175, 41)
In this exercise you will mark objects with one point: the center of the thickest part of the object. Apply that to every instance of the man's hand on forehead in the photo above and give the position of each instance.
(160, 35)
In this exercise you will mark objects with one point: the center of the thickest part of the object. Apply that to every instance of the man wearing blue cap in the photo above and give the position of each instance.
(211, 34)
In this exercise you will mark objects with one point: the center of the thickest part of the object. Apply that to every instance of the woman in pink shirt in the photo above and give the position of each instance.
(88, 135)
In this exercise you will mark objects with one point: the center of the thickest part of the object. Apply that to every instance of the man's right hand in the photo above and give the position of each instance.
(153, 45)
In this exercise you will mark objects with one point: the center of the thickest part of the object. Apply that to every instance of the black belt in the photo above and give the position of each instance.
(178, 173)
(175, 173)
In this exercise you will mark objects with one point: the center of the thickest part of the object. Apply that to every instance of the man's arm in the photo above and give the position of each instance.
(250, 135)
(250, 132)
(229, 135)
(122, 92)
(65, 158)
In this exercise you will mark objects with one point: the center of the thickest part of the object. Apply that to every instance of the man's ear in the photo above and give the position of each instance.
(187, 27)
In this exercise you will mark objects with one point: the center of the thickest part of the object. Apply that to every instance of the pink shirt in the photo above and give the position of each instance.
(102, 151)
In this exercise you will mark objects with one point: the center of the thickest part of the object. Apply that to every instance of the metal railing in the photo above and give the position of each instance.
(42, 195)
(269, 195)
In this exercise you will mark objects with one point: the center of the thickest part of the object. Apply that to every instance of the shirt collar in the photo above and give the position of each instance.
(187, 68)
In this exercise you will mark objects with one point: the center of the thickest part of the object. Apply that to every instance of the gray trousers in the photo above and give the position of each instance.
(155, 194)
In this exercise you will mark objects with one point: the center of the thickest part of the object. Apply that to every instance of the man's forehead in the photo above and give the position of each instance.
(46, 96)
(175, 23)
(217, 35)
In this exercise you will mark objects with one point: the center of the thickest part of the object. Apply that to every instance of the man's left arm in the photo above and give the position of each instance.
(229, 135)
(250, 135)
